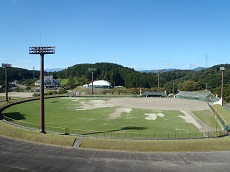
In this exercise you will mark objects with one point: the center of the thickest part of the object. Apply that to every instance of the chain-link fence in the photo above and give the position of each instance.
(119, 134)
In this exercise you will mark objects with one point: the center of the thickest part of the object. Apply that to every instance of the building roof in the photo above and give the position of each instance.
(101, 82)
(45, 78)
(193, 95)
(155, 94)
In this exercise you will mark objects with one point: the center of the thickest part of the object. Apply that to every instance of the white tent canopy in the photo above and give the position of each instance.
(100, 83)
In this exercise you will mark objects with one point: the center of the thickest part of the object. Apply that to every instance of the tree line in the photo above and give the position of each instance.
(117, 75)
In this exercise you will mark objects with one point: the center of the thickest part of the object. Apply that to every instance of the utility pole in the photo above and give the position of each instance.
(158, 76)
(173, 90)
(33, 73)
(92, 70)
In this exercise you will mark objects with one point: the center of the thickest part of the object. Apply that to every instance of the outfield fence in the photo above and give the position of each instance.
(119, 134)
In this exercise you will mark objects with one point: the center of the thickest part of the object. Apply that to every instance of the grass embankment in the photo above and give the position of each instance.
(220, 144)
(34, 136)
(223, 112)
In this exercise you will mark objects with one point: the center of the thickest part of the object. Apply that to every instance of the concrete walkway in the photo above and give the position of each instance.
(22, 156)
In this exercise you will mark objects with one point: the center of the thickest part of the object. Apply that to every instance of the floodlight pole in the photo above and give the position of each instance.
(222, 83)
(6, 81)
(42, 51)
(42, 105)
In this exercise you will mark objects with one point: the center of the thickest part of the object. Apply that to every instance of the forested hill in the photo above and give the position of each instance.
(114, 73)
(15, 73)
(210, 77)
(123, 76)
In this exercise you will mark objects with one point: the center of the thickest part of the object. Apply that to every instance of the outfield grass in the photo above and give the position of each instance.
(63, 113)
(208, 118)
(2, 98)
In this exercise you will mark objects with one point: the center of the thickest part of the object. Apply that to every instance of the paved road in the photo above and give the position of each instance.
(22, 156)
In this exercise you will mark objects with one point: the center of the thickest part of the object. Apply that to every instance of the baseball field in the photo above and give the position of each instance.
(145, 115)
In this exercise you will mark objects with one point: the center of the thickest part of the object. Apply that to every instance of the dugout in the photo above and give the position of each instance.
(153, 94)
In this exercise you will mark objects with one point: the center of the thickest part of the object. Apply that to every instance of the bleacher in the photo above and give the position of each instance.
(194, 95)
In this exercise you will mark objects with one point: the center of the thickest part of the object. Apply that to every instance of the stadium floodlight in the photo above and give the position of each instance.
(5, 65)
(92, 70)
(42, 51)
(222, 84)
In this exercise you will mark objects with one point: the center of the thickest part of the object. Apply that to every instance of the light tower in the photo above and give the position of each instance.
(222, 83)
(42, 51)
(92, 70)
(4, 65)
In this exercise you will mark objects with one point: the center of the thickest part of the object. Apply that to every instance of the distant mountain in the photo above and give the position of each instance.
(53, 69)
(156, 71)
(198, 68)
(169, 70)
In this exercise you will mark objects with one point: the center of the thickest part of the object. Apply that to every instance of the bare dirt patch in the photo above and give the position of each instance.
(93, 104)
(153, 116)
(189, 119)
(117, 113)
(18, 94)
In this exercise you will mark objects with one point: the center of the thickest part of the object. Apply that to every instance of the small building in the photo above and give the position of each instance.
(49, 82)
(153, 94)
(100, 84)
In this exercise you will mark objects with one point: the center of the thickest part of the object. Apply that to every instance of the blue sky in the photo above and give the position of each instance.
(142, 34)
